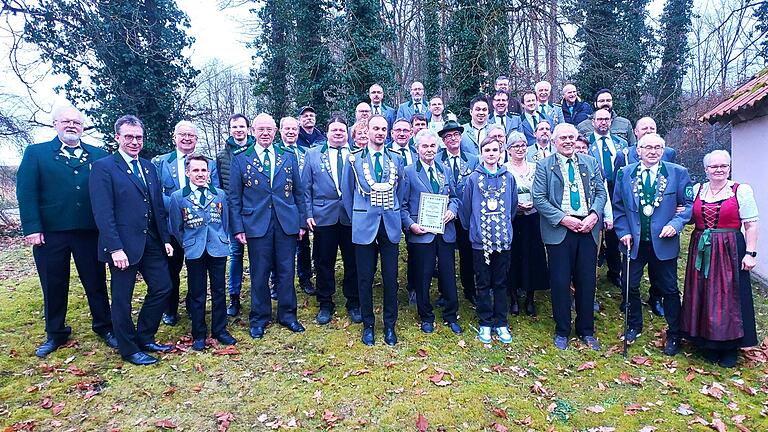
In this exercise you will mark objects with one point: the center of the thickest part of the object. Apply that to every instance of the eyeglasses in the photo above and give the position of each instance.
(131, 138)
(518, 146)
(187, 135)
(605, 119)
(719, 167)
(654, 148)
(70, 122)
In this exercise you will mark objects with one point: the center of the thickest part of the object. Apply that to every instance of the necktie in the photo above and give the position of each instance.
(607, 165)
(543, 109)
(535, 122)
(418, 107)
(71, 151)
(137, 172)
(376, 110)
(478, 136)
(339, 167)
(501, 120)
(186, 179)
(455, 168)
(404, 152)
(377, 169)
(647, 181)
(268, 165)
(202, 196)
(435, 185)
(575, 198)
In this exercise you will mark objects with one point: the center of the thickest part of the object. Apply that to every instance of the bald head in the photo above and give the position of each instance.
(569, 93)
(644, 126)
(264, 129)
(362, 111)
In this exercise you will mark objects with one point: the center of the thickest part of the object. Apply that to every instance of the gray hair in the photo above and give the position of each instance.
(182, 124)
(559, 129)
(195, 155)
(708, 157)
(650, 136)
(424, 133)
(516, 136)
(288, 118)
(128, 119)
(59, 110)
(493, 126)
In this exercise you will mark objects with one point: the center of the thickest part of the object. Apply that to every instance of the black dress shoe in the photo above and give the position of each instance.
(368, 338)
(308, 288)
(455, 327)
(672, 347)
(170, 320)
(530, 306)
(257, 332)
(48, 347)
(427, 327)
(293, 326)
(110, 339)
(514, 307)
(355, 316)
(656, 307)
(324, 316)
(225, 338)
(156, 347)
(198, 344)
(390, 337)
(234, 305)
(140, 359)
(273, 293)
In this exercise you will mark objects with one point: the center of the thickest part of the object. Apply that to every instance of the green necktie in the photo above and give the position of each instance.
(607, 165)
(647, 182)
(202, 196)
(575, 198)
(535, 122)
(435, 185)
(377, 169)
(405, 158)
(543, 110)
(339, 166)
(455, 168)
(268, 165)
(71, 151)
(137, 172)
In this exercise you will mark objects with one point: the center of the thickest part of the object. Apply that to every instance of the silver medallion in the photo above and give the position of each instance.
(648, 210)
(493, 204)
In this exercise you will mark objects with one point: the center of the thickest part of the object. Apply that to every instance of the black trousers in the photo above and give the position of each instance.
(663, 275)
(425, 255)
(575, 258)
(153, 266)
(491, 282)
(175, 263)
(466, 264)
(199, 270)
(328, 240)
(612, 254)
(365, 256)
(409, 269)
(52, 260)
(304, 260)
(275, 249)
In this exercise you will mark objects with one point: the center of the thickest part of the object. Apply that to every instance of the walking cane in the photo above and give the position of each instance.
(626, 307)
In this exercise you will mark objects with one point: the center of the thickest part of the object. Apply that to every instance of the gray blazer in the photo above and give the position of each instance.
(416, 182)
(547, 192)
(323, 201)
(167, 170)
(200, 228)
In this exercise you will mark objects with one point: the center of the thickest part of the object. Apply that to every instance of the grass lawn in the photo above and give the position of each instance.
(325, 378)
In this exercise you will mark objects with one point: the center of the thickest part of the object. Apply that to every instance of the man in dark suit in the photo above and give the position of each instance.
(648, 223)
(266, 199)
(378, 107)
(570, 196)
(416, 105)
(56, 217)
(133, 238)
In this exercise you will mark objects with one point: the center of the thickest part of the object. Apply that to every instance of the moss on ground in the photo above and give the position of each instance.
(326, 378)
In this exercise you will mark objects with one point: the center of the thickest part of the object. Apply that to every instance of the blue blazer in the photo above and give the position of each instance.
(469, 142)
(394, 148)
(630, 156)
(406, 110)
(167, 170)
(511, 122)
(596, 151)
(388, 113)
(678, 191)
(534, 155)
(527, 129)
(122, 205)
(415, 182)
(252, 199)
(354, 193)
(200, 229)
(322, 199)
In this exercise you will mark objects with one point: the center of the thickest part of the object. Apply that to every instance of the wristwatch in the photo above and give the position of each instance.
(752, 253)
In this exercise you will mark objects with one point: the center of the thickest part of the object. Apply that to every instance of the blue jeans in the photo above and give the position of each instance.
(235, 279)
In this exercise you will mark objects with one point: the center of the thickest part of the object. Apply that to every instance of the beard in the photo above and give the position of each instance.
(69, 138)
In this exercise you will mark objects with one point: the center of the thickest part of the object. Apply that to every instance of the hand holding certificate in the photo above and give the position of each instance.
(432, 209)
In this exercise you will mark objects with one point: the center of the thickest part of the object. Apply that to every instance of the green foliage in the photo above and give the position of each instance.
(761, 14)
(616, 50)
(274, 46)
(675, 26)
(433, 79)
(120, 57)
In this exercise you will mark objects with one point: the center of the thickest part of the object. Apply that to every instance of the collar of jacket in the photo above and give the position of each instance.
(250, 140)
(420, 166)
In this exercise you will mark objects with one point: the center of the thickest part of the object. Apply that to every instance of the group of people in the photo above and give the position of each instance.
(530, 193)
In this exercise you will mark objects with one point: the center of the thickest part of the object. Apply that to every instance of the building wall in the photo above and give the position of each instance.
(750, 165)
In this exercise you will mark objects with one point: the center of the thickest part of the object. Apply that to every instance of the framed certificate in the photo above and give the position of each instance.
(432, 208)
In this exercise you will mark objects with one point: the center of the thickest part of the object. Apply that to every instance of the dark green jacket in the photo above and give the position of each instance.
(224, 159)
(52, 188)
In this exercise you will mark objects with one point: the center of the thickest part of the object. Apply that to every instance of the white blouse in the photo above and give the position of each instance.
(744, 194)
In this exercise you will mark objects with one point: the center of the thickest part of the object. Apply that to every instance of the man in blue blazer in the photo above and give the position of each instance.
(170, 168)
(378, 107)
(546, 108)
(266, 199)
(530, 118)
(133, 238)
(646, 219)
(199, 219)
(428, 176)
(327, 218)
(500, 114)
(606, 147)
(57, 220)
(372, 193)
(543, 147)
(461, 166)
(416, 105)
(477, 129)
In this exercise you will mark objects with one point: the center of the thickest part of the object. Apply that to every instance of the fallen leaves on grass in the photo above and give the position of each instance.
(642, 361)
(26, 425)
(165, 424)
(76, 371)
(499, 412)
(421, 352)
(226, 351)
(223, 420)
(169, 391)
(634, 408)
(58, 408)
(330, 418)
(595, 409)
(626, 378)
(587, 365)
(684, 409)
(539, 389)
(421, 423)
(498, 427)
(524, 422)
(716, 390)
(46, 403)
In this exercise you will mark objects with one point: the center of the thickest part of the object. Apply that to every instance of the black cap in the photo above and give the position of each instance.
(450, 125)
(304, 109)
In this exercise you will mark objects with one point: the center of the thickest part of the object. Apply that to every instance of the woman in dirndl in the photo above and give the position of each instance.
(718, 315)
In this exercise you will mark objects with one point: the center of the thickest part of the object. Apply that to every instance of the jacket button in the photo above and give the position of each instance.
(146, 215)
(145, 200)
(79, 205)
(77, 187)
(145, 231)
(75, 171)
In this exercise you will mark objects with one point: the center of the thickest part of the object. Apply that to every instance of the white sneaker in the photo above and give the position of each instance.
(503, 334)
(484, 335)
